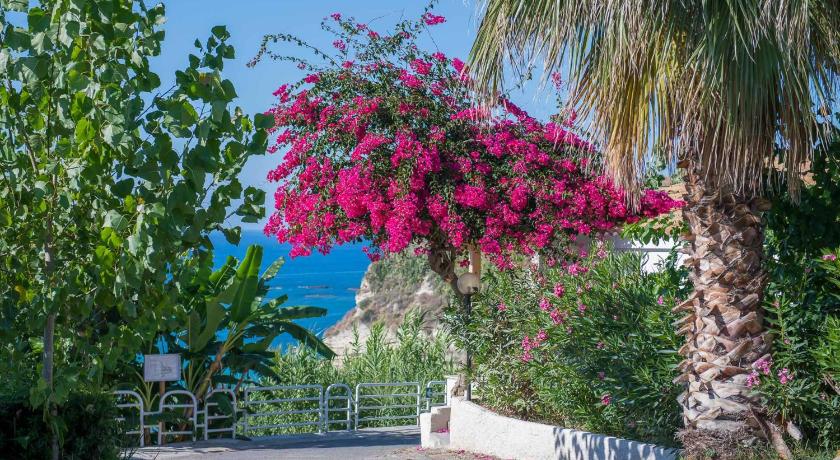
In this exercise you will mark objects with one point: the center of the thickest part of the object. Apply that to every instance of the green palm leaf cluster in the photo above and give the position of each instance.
(727, 81)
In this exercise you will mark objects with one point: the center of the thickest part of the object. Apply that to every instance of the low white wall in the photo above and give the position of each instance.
(475, 429)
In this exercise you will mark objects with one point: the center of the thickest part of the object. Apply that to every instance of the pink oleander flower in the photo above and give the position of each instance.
(660, 300)
(557, 317)
(601, 375)
(829, 257)
(528, 344)
(600, 345)
(544, 304)
(527, 357)
(581, 307)
(559, 289)
(541, 336)
(784, 376)
(606, 399)
(763, 365)
(602, 253)
(575, 269)
(501, 307)
(753, 379)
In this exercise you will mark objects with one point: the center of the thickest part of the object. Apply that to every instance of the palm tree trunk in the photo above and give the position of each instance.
(724, 328)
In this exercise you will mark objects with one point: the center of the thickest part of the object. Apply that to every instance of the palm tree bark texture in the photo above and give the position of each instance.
(723, 327)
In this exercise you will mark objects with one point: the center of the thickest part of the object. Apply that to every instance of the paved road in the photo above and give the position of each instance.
(379, 443)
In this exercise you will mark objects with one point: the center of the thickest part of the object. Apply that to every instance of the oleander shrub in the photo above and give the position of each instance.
(585, 344)
(801, 382)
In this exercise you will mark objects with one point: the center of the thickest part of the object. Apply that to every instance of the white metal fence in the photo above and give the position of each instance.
(267, 411)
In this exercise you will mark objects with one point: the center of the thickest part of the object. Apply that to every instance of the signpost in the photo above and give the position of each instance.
(162, 368)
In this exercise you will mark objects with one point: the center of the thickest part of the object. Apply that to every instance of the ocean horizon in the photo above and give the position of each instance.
(329, 281)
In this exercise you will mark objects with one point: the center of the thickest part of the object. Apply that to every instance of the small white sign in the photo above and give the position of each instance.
(162, 368)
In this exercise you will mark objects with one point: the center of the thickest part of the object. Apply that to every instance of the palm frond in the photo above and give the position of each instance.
(727, 83)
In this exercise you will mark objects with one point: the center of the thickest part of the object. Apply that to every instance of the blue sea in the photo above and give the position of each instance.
(328, 281)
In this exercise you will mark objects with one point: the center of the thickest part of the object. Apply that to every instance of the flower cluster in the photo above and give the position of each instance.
(763, 367)
(384, 144)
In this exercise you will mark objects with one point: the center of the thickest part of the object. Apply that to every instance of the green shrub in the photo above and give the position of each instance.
(86, 423)
(802, 304)
(600, 357)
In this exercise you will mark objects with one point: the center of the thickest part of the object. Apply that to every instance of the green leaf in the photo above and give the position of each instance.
(247, 277)
(215, 315)
(16, 5)
(308, 339)
(220, 32)
(115, 220)
(85, 131)
(272, 270)
(263, 121)
(300, 312)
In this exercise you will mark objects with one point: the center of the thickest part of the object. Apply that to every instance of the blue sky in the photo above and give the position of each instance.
(249, 20)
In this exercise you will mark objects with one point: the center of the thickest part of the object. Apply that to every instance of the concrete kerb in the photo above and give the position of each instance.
(476, 429)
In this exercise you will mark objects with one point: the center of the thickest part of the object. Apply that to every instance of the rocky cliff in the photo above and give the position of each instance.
(390, 288)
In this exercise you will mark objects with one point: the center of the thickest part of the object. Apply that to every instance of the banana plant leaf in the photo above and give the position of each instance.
(247, 277)
(299, 312)
(308, 338)
(272, 270)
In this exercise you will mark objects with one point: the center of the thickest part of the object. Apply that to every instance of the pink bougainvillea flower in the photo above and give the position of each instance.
(392, 149)
(433, 19)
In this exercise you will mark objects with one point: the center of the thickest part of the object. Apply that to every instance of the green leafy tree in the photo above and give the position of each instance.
(108, 182)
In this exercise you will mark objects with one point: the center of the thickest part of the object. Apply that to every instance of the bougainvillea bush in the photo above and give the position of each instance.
(587, 344)
(381, 142)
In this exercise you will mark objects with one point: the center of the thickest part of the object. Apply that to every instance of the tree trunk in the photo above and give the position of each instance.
(49, 340)
(724, 328)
